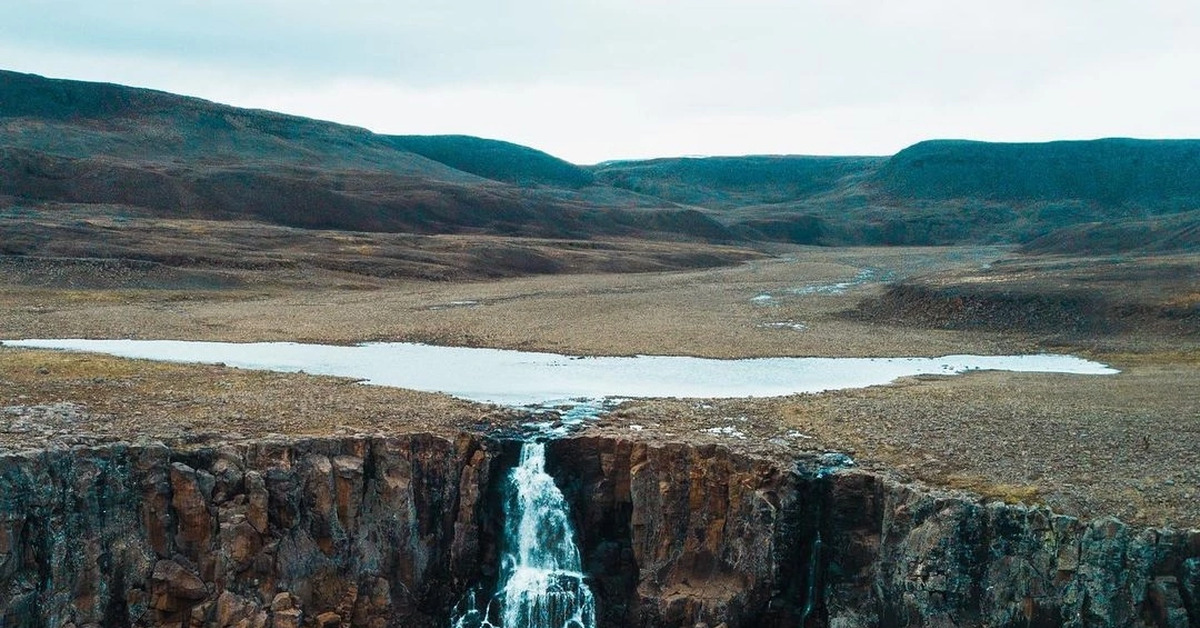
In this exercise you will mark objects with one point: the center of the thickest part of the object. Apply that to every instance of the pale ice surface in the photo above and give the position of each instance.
(520, 378)
(792, 325)
(454, 304)
(865, 275)
(727, 431)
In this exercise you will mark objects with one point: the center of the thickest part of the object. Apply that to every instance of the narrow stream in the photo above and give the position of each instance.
(541, 580)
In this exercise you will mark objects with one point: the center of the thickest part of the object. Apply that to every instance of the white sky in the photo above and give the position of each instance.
(591, 80)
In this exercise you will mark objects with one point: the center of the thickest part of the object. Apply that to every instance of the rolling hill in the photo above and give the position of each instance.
(91, 143)
(935, 192)
(1157, 175)
(169, 156)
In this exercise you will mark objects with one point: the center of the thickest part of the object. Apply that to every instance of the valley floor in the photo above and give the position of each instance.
(1127, 445)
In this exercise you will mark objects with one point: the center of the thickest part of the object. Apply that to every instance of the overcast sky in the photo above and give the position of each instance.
(596, 80)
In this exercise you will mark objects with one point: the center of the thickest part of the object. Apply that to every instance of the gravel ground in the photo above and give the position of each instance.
(1126, 445)
(713, 313)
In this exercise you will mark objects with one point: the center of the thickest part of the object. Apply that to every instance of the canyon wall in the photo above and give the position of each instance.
(389, 532)
(681, 535)
(331, 533)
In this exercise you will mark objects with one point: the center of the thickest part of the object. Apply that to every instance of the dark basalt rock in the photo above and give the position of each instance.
(377, 532)
(696, 534)
(380, 532)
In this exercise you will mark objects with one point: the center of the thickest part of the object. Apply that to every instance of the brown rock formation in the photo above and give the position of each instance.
(679, 535)
(352, 532)
(378, 532)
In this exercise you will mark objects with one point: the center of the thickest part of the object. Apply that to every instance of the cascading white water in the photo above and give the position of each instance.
(541, 581)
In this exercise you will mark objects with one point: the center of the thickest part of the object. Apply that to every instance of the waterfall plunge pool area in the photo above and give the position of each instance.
(543, 380)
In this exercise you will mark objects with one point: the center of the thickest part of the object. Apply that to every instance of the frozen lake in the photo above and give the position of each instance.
(519, 378)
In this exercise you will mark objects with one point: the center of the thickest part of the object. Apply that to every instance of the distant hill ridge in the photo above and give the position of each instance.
(173, 156)
(1106, 171)
(92, 143)
(728, 182)
(495, 159)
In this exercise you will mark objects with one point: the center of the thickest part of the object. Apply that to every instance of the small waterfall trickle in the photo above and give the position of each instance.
(541, 580)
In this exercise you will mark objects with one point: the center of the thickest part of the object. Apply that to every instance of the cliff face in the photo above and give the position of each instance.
(679, 535)
(354, 532)
(379, 532)
(697, 535)
(901, 556)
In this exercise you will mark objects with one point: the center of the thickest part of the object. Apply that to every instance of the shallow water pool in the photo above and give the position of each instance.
(520, 378)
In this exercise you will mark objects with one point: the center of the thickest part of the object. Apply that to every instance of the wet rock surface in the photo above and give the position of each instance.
(379, 532)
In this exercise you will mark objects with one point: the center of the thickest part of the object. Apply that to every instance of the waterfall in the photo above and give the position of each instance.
(541, 580)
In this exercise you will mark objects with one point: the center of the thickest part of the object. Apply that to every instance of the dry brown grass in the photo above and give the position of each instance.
(1007, 493)
(1184, 300)
(1189, 356)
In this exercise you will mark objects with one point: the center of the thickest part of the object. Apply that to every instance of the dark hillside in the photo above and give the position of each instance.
(732, 182)
(177, 157)
(494, 159)
(1159, 175)
(1178, 233)
(93, 120)
(32, 96)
